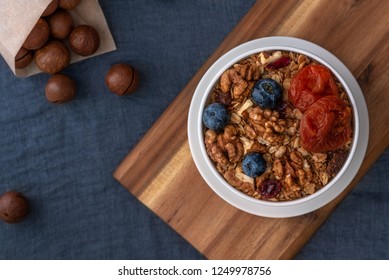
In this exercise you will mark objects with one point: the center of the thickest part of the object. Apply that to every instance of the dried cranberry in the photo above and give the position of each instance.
(335, 162)
(223, 98)
(281, 109)
(279, 63)
(270, 189)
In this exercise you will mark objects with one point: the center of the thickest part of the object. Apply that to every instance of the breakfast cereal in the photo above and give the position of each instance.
(298, 141)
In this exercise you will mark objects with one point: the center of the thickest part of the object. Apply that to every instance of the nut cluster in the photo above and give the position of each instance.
(55, 25)
(50, 44)
(46, 45)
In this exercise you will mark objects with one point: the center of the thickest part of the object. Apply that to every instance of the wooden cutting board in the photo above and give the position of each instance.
(160, 172)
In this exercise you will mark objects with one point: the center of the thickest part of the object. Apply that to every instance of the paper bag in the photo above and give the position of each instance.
(18, 17)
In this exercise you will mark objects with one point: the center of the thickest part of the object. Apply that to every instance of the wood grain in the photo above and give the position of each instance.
(357, 33)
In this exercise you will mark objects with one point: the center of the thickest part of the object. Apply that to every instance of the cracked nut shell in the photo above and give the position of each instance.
(23, 58)
(38, 35)
(61, 24)
(50, 8)
(53, 57)
(122, 79)
(60, 89)
(68, 4)
(84, 40)
(14, 207)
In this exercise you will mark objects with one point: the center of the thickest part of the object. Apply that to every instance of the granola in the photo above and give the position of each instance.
(275, 133)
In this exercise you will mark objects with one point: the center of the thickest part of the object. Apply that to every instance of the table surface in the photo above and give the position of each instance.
(172, 188)
(62, 156)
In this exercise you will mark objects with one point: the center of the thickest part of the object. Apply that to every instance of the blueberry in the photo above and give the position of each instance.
(253, 164)
(215, 117)
(267, 93)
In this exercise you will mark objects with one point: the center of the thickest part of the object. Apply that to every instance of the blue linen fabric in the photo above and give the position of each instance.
(62, 156)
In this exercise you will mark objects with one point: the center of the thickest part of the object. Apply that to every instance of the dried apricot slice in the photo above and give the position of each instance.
(326, 125)
(310, 84)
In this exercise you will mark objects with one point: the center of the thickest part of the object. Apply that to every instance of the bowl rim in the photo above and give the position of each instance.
(285, 208)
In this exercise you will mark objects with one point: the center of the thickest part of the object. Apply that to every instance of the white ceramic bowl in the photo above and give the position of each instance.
(267, 208)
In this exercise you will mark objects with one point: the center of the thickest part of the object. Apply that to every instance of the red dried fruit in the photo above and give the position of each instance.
(309, 85)
(270, 189)
(281, 108)
(326, 125)
(279, 63)
(223, 98)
